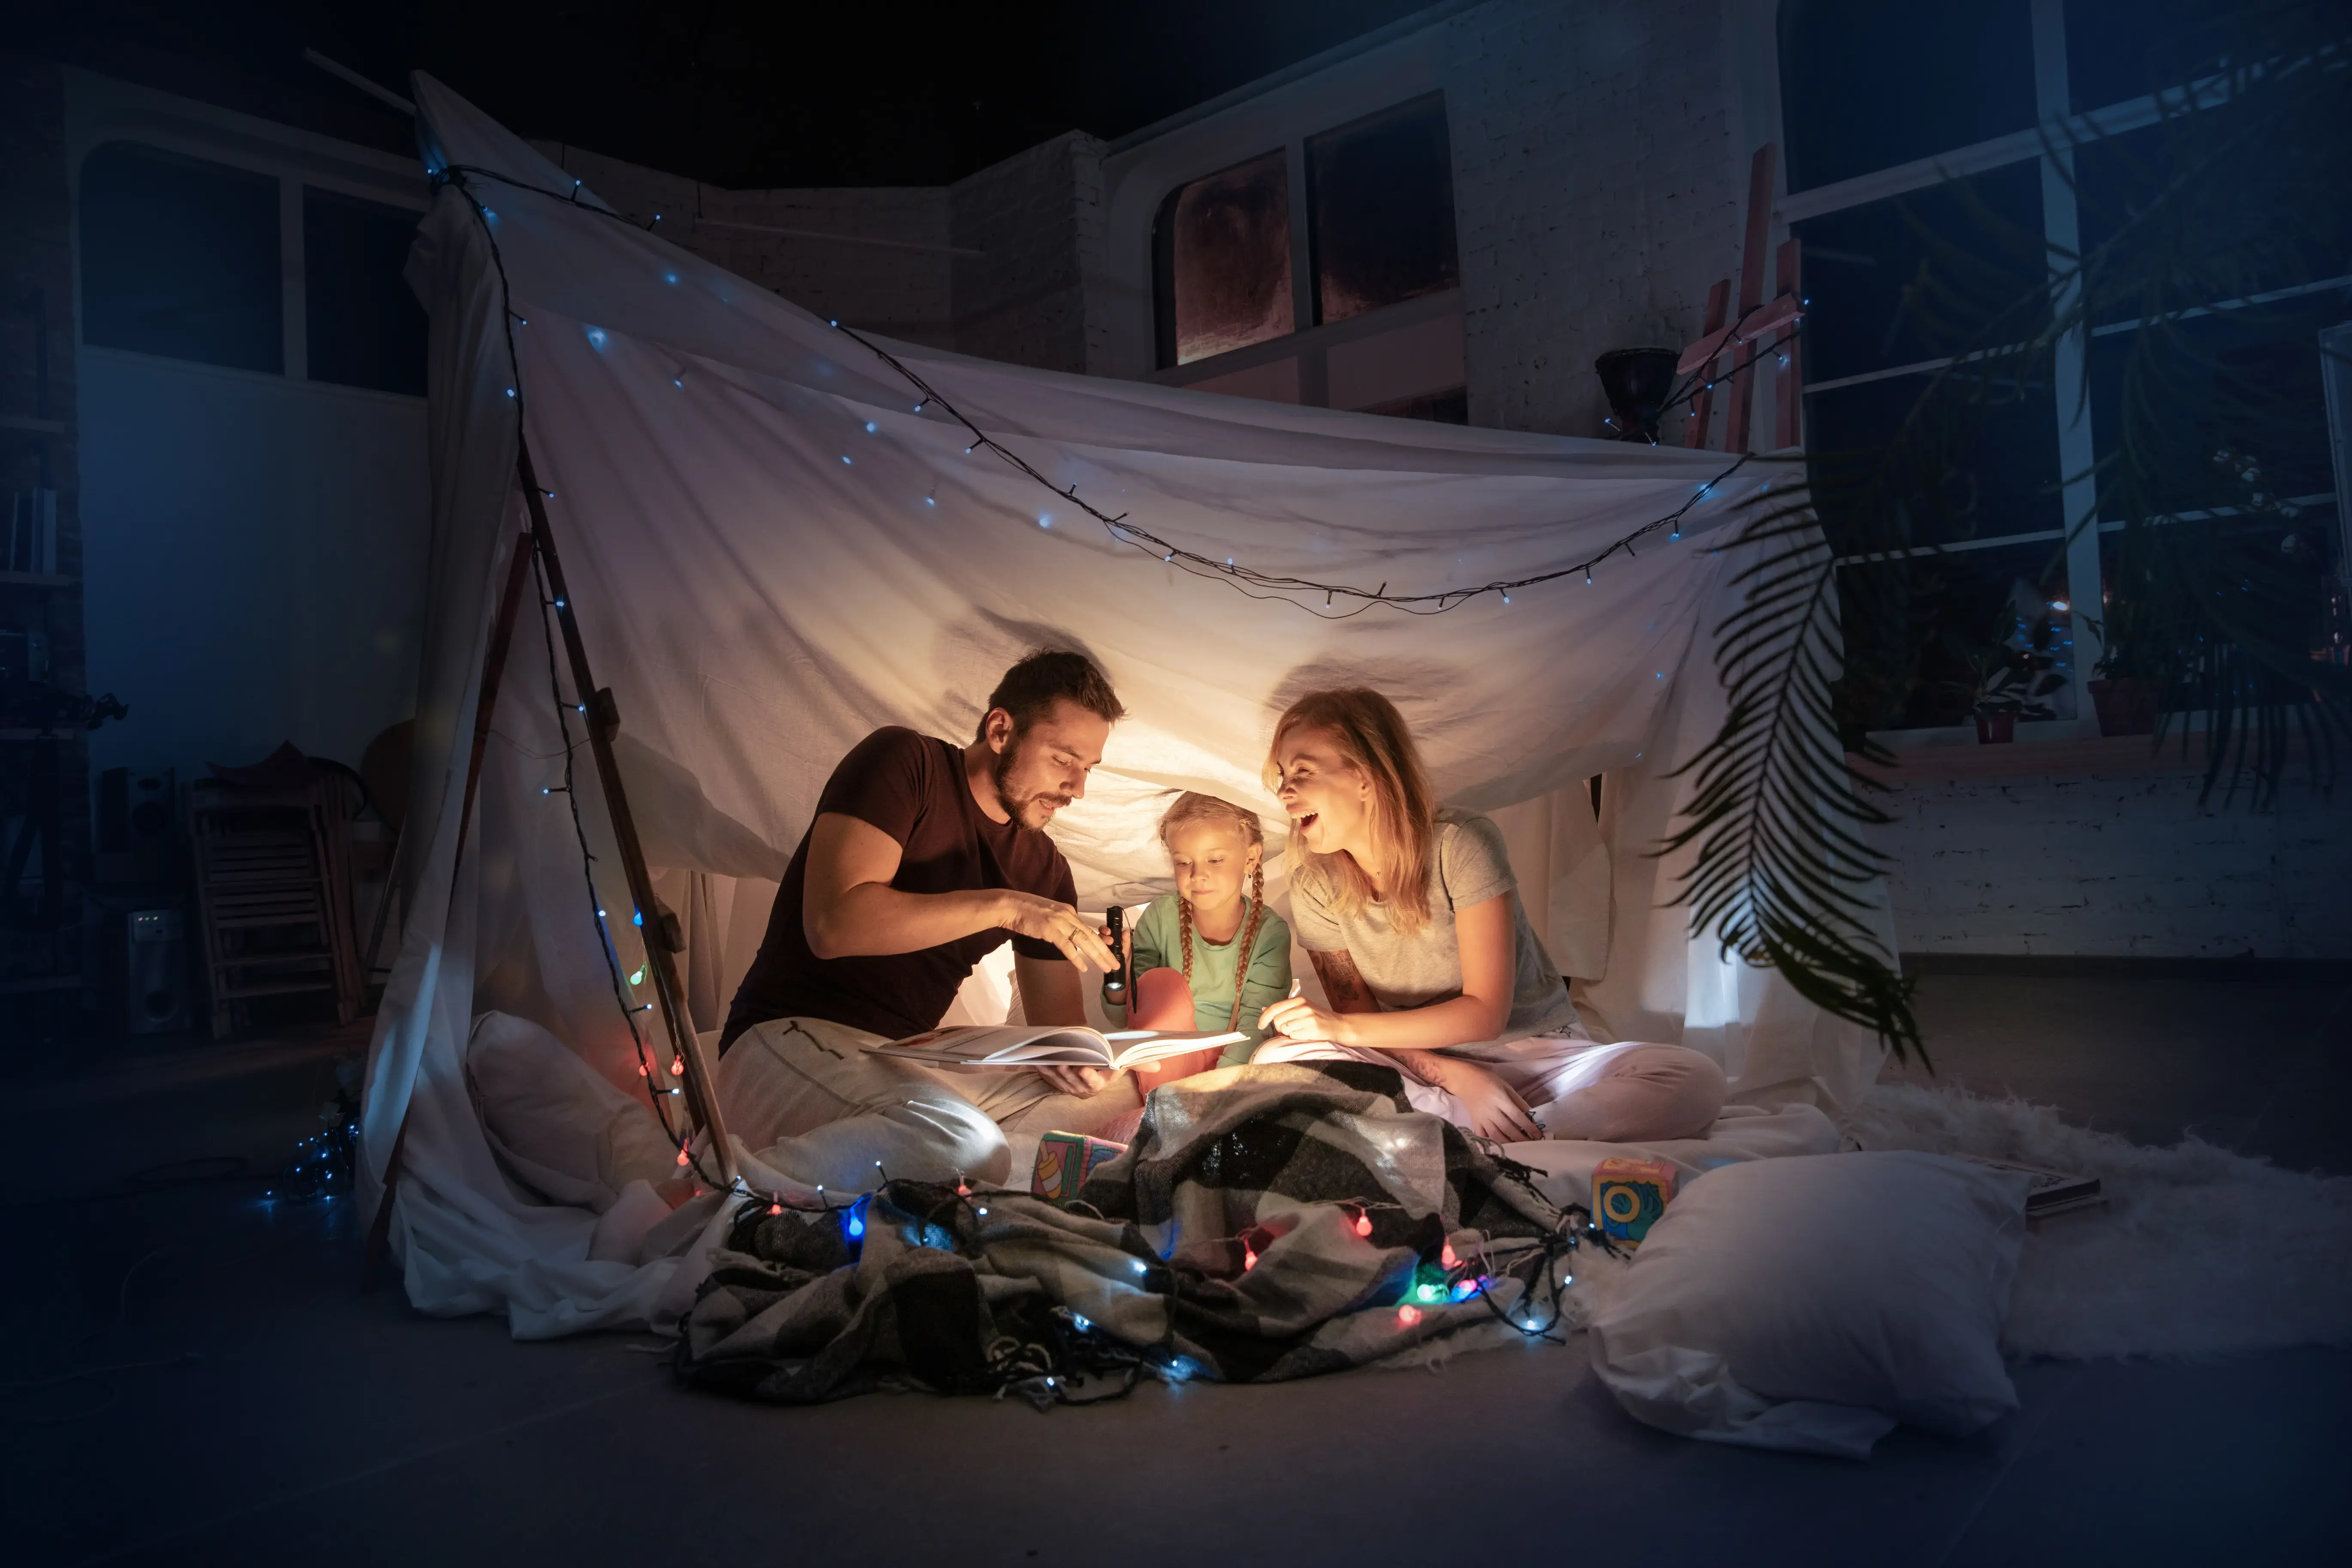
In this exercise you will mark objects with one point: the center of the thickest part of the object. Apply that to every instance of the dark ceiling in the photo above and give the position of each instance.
(741, 93)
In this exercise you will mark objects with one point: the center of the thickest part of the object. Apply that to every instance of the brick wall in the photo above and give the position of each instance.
(1036, 220)
(1597, 190)
(2124, 867)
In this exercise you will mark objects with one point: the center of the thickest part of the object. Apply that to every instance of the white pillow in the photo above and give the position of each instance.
(556, 1126)
(1811, 1302)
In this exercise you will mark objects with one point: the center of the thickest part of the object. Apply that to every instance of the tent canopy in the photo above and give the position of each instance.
(771, 551)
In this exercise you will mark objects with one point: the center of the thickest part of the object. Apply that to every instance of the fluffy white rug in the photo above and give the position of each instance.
(2196, 1251)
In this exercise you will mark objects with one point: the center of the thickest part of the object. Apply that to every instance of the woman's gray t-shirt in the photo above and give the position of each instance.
(1415, 969)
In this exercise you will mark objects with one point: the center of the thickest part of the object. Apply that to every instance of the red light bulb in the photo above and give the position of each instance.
(1363, 1225)
(1407, 1316)
(681, 1154)
(677, 1067)
(1445, 1256)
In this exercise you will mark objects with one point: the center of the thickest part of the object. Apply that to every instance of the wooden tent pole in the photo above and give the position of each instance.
(486, 701)
(661, 934)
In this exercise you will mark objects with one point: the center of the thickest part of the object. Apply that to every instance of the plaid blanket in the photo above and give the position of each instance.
(1267, 1223)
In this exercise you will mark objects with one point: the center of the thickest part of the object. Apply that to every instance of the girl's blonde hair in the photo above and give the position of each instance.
(1191, 807)
(1371, 735)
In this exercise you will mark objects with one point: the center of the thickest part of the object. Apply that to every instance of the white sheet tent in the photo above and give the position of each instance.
(771, 551)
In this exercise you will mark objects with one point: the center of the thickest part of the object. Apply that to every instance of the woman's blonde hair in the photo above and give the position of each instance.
(1191, 807)
(1372, 735)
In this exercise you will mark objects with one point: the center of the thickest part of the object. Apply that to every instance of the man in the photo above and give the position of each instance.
(923, 858)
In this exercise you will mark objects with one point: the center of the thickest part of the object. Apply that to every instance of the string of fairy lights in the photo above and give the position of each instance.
(1340, 601)
(1258, 584)
(1446, 1279)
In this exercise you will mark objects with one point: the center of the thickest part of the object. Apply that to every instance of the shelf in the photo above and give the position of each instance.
(33, 426)
(38, 580)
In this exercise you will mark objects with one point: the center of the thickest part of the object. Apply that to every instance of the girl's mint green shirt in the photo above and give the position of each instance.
(1158, 945)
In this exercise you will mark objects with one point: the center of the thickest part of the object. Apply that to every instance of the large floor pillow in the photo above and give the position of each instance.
(559, 1129)
(1813, 1302)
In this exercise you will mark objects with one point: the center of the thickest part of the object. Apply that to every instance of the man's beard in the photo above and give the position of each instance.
(1022, 810)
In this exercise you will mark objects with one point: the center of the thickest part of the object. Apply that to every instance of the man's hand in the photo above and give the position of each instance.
(1084, 1082)
(1047, 919)
(1297, 1018)
(1494, 1109)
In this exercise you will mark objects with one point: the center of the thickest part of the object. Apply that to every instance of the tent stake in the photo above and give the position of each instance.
(661, 940)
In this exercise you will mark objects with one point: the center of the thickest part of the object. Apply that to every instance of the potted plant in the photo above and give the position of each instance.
(2009, 679)
(2124, 699)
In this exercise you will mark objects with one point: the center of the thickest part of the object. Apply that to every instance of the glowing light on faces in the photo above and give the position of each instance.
(1212, 862)
(1327, 797)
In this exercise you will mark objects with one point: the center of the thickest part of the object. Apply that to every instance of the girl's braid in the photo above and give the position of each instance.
(1184, 935)
(1249, 944)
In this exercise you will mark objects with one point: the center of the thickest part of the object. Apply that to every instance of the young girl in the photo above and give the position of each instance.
(1412, 917)
(1207, 957)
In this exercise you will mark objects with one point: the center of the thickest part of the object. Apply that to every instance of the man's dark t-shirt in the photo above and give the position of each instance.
(913, 788)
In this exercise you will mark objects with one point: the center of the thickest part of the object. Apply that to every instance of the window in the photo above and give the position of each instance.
(1381, 203)
(180, 257)
(2120, 49)
(1223, 257)
(363, 326)
(1866, 85)
(1327, 267)
(1856, 101)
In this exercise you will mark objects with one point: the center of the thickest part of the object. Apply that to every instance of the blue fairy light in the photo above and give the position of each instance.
(596, 339)
(871, 427)
(844, 460)
(669, 277)
(1044, 520)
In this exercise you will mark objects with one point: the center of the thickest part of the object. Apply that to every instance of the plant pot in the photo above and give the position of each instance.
(2126, 706)
(1996, 728)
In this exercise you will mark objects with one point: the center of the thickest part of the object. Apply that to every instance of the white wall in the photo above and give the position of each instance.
(254, 555)
(254, 545)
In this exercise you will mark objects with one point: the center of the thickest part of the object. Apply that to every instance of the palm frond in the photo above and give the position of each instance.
(1782, 872)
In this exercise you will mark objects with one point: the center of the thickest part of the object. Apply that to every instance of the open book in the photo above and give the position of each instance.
(973, 1047)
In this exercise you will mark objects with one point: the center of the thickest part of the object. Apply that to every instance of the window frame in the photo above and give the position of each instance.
(106, 112)
(1310, 340)
(2060, 228)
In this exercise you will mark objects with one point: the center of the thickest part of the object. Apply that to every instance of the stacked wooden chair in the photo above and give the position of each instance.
(273, 893)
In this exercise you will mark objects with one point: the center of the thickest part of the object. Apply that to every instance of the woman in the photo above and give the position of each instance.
(1412, 918)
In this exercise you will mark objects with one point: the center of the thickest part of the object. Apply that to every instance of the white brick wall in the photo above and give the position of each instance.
(1036, 218)
(1597, 193)
(2127, 866)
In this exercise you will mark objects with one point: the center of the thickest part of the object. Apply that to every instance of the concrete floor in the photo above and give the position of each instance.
(265, 1412)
